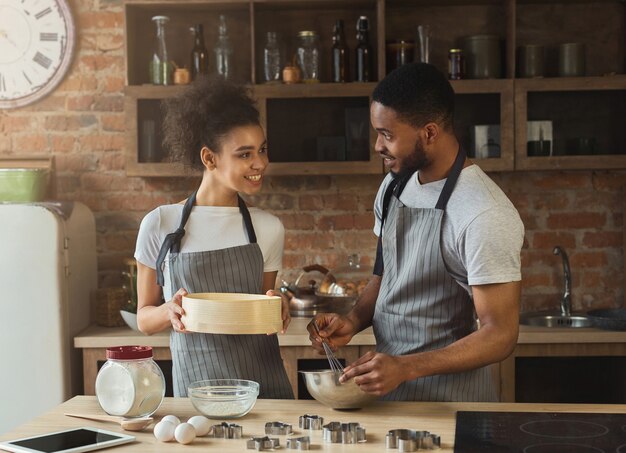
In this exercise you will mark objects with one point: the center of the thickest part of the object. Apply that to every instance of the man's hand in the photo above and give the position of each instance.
(335, 329)
(376, 373)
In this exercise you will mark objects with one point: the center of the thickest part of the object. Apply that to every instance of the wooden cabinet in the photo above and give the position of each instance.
(324, 128)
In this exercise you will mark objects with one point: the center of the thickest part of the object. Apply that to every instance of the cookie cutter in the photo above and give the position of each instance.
(263, 443)
(343, 433)
(299, 443)
(226, 431)
(278, 428)
(407, 440)
(307, 421)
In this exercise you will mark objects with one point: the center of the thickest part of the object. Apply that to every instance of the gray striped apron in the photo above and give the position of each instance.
(199, 356)
(420, 306)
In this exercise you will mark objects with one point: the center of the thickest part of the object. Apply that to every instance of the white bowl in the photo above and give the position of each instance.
(130, 319)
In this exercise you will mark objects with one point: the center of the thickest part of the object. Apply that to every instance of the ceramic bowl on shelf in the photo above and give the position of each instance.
(223, 398)
(130, 319)
(324, 386)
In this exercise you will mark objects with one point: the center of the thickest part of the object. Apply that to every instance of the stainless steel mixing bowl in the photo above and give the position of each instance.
(323, 385)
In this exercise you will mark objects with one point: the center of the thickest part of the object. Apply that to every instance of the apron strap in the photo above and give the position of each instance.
(397, 186)
(448, 187)
(172, 240)
(247, 221)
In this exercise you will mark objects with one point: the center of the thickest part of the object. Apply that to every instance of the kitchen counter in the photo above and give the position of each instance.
(297, 335)
(295, 345)
(378, 419)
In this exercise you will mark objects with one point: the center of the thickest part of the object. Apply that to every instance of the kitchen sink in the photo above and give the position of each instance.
(554, 319)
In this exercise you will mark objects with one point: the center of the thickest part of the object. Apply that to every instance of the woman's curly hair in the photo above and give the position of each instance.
(201, 115)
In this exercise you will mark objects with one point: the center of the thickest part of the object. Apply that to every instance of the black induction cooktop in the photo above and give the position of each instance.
(539, 432)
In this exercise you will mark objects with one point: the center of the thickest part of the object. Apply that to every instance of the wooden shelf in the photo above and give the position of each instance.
(504, 102)
(591, 117)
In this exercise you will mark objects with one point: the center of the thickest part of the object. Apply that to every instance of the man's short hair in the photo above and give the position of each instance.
(419, 93)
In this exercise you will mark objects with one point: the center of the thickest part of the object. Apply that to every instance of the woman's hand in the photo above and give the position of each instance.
(284, 311)
(175, 310)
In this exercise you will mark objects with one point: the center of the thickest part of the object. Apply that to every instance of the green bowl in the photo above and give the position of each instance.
(23, 185)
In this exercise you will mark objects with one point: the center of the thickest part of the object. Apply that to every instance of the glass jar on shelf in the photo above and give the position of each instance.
(161, 68)
(272, 64)
(223, 51)
(308, 53)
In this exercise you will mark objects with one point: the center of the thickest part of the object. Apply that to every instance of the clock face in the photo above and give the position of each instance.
(36, 47)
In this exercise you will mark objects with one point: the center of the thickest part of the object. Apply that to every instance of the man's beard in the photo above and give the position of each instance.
(416, 161)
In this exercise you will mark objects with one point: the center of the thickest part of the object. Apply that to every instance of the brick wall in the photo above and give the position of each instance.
(326, 218)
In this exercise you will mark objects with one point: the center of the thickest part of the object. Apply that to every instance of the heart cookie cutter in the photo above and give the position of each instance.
(226, 431)
(299, 443)
(278, 428)
(308, 421)
(343, 433)
(407, 440)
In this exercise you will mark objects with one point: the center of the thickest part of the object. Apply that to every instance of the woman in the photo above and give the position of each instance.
(212, 242)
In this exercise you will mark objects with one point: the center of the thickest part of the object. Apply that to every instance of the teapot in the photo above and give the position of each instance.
(303, 301)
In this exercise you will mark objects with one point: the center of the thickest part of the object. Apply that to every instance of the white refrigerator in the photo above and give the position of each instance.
(47, 270)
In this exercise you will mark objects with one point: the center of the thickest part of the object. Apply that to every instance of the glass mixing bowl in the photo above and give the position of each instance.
(223, 398)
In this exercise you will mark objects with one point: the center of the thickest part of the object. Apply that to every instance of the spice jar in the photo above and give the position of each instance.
(130, 383)
(456, 64)
(308, 56)
(182, 76)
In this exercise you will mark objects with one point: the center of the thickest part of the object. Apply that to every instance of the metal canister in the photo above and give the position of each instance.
(456, 64)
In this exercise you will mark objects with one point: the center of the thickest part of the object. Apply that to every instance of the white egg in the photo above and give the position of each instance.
(164, 431)
(174, 420)
(185, 433)
(201, 423)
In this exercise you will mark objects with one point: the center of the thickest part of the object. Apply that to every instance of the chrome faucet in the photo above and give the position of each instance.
(566, 302)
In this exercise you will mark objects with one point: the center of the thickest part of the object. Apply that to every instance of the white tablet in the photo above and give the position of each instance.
(73, 440)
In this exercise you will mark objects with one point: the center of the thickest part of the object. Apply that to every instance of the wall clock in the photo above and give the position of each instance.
(36, 46)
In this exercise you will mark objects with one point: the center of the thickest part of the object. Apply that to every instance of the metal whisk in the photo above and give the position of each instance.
(335, 364)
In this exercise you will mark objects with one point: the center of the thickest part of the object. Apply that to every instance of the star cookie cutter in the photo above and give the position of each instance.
(278, 428)
(407, 440)
(263, 443)
(343, 433)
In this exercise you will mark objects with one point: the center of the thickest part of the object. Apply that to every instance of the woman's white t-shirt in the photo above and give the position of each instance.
(208, 228)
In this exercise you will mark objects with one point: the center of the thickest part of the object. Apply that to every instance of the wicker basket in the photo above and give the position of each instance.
(109, 301)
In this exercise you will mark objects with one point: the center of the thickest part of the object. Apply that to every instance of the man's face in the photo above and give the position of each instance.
(399, 144)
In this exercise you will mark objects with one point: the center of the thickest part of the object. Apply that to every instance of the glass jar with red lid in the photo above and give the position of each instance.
(130, 383)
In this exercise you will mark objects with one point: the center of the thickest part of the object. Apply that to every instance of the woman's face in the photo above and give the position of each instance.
(242, 160)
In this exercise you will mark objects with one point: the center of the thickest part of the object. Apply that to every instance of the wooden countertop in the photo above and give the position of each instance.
(101, 337)
(438, 418)
(297, 335)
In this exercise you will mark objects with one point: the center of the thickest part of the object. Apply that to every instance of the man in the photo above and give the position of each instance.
(448, 256)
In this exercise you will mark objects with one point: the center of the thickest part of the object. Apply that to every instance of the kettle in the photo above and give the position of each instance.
(303, 301)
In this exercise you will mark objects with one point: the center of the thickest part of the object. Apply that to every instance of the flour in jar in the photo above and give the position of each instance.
(130, 388)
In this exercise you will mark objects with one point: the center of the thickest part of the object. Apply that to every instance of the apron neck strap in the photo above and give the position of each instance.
(448, 187)
(172, 240)
(247, 221)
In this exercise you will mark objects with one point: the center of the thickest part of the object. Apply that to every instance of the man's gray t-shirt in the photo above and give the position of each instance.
(482, 233)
